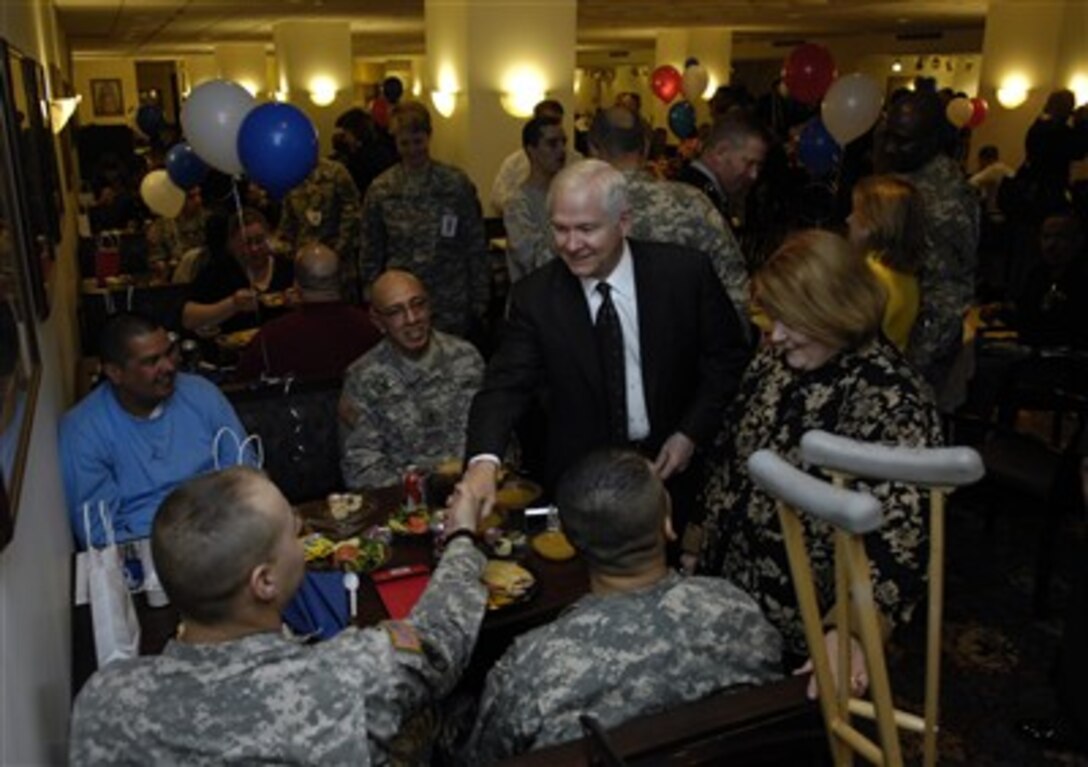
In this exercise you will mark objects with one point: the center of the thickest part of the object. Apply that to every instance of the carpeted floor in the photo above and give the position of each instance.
(997, 656)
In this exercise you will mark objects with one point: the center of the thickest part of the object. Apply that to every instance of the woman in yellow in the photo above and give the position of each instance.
(886, 223)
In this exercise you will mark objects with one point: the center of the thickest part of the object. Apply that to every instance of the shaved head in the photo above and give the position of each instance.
(401, 309)
(317, 271)
(392, 282)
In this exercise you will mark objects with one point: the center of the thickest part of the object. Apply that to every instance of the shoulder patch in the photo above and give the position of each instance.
(403, 636)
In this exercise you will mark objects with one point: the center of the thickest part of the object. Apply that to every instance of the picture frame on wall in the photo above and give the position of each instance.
(20, 363)
(107, 98)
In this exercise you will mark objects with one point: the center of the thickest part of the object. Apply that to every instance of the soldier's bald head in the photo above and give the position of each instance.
(614, 510)
(393, 282)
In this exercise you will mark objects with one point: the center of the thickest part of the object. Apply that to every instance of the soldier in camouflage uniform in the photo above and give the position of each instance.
(232, 688)
(644, 640)
(326, 208)
(911, 147)
(169, 239)
(668, 211)
(423, 216)
(406, 400)
(529, 238)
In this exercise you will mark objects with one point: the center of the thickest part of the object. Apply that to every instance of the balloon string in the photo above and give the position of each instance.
(267, 366)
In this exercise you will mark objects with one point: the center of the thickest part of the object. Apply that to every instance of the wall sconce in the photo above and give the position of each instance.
(323, 91)
(1013, 91)
(521, 103)
(523, 90)
(445, 102)
(61, 111)
(1079, 85)
(897, 66)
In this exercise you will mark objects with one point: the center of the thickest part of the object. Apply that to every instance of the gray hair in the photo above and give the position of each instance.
(317, 269)
(598, 176)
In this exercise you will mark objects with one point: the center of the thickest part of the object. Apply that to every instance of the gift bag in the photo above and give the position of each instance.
(228, 449)
(107, 257)
(116, 630)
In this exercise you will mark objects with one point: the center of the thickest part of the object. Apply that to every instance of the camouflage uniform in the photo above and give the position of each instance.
(326, 208)
(397, 411)
(529, 240)
(668, 211)
(621, 656)
(264, 698)
(168, 239)
(947, 274)
(429, 224)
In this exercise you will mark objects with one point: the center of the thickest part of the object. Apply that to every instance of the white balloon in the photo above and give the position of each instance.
(959, 111)
(211, 117)
(696, 78)
(162, 195)
(851, 107)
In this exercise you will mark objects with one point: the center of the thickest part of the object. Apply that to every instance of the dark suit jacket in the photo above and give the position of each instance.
(692, 347)
(698, 179)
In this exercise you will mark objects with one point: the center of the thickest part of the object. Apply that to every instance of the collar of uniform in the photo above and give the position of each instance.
(700, 166)
(621, 279)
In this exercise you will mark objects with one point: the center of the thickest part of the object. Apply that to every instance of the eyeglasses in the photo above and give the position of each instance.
(399, 312)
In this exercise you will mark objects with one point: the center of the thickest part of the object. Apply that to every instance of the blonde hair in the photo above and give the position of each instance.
(818, 284)
(891, 210)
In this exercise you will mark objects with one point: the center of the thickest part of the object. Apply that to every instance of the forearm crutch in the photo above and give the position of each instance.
(940, 471)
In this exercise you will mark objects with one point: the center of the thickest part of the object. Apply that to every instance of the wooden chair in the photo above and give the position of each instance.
(854, 514)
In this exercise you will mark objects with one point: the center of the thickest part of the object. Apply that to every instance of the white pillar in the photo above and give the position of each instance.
(481, 50)
(314, 62)
(1039, 41)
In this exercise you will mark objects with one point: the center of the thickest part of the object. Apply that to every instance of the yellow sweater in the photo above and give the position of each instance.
(902, 308)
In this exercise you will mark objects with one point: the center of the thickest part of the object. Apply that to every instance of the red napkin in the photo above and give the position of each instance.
(400, 588)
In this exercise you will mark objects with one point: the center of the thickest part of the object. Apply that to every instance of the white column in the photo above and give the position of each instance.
(481, 50)
(314, 62)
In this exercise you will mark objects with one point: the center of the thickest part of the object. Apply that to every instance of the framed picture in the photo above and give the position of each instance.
(34, 170)
(107, 98)
(20, 366)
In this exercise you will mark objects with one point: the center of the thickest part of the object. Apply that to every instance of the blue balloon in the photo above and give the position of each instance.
(150, 120)
(277, 145)
(818, 151)
(184, 167)
(682, 119)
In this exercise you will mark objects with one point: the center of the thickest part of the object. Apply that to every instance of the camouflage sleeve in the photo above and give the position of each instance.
(419, 660)
(501, 729)
(373, 255)
(289, 222)
(524, 240)
(726, 256)
(351, 215)
(364, 460)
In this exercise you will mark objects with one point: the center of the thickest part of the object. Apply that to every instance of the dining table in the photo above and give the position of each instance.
(558, 585)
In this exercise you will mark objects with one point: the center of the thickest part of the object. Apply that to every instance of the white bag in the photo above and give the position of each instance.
(247, 452)
(116, 630)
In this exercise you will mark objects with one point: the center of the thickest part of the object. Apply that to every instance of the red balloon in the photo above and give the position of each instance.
(379, 110)
(666, 82)
(808, 73)
(981, 109)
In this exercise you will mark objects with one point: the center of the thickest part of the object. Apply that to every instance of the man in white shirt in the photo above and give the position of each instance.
(514, 170)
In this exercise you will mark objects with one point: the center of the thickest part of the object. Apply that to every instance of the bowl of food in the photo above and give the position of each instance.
(356, 554)
(508, 583)
(516, 493)
(344, 515)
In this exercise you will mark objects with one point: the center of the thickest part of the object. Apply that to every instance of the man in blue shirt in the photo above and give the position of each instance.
(146, 429)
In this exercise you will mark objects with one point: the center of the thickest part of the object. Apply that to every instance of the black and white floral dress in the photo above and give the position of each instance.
(871, 394)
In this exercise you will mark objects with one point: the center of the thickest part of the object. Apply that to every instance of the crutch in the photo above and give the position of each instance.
(940, 471)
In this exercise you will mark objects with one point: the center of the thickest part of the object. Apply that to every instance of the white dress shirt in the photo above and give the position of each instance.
(622, 282)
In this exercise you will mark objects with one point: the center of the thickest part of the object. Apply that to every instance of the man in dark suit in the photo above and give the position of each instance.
(682, 345)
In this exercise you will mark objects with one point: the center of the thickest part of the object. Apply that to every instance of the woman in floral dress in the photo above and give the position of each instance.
(823, 365)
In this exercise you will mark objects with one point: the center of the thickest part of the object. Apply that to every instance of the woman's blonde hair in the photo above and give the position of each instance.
(818, 284)
(891, 210)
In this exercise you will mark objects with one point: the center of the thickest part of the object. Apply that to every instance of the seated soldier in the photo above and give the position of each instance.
(322, 337)
(143, 431)
(232, 687)
(405, 401)
(643, 640)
